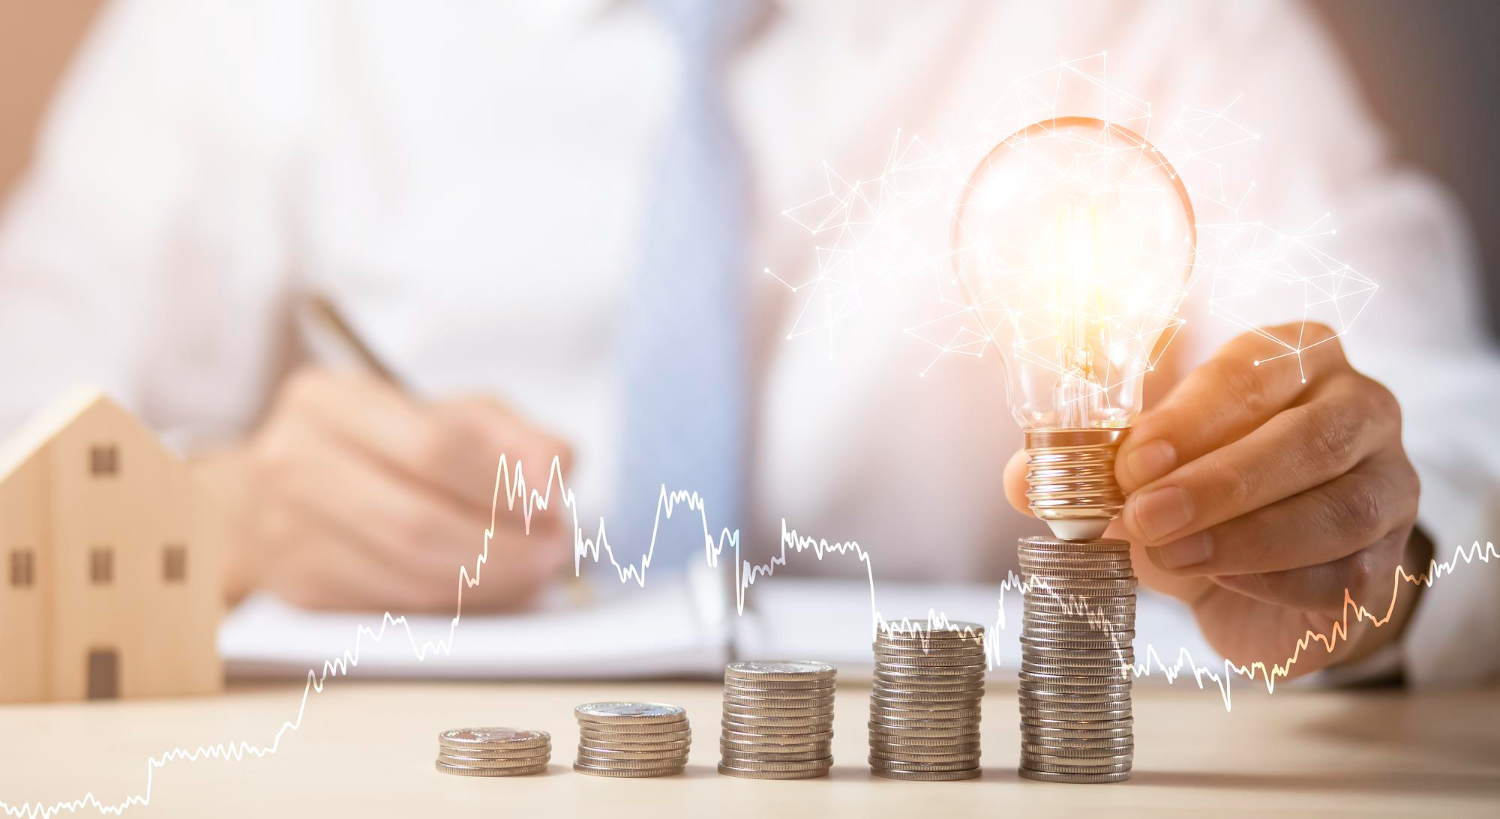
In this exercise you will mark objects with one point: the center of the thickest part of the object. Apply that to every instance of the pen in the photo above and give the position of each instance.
(321, 311)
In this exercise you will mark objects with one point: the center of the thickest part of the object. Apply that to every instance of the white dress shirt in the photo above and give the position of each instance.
(464, 180)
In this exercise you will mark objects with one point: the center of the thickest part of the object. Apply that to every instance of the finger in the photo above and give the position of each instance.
(1015, 482)
(1322, 588)
(1225, 399)
(1345, 421)
(1321, 525)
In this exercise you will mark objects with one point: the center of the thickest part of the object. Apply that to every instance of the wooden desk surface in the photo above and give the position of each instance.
(367, 748)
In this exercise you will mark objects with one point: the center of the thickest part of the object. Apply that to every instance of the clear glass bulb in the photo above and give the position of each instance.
(1073, 243)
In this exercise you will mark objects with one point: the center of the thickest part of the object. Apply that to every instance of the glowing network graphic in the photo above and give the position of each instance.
(875, 229)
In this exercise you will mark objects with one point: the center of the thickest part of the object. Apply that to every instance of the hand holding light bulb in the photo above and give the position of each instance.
(1256, 497)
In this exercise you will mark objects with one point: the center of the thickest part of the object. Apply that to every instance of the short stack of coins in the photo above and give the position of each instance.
(778, 719)
(924, 712)
(1077, 636)
(632, 740)
(493, 752)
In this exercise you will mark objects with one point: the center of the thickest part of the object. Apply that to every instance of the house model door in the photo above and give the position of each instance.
(104, 674)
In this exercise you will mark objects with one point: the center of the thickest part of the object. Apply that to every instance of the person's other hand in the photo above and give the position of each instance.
(353, 496)
(1259, 499)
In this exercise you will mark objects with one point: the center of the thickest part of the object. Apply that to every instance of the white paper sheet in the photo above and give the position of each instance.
(664, 629)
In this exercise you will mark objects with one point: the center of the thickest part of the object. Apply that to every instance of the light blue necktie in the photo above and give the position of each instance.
(683, 335)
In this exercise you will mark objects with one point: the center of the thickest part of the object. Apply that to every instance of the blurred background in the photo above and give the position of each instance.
(1421, 65)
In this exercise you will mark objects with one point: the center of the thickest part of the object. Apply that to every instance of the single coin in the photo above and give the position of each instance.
(1063, 707)
(495, 738)
(1075, 606)
(974, 662)
(1075, 558)
(1055, 575)
(1082, 690)
(773, 753)
(483, 762)
(761, 721)
(745, 773)
(780, 695)
(930, 650)
(927, 776)
(1055, 644)
(817, 725)
(634, 713)
(915, 686)
(899, 691)
(1073, 622)
(790, 738)
(1075, 665)
(657, 729)
(1109, 682)
(808, 710)
(969, 757)
(906, 746)
(1079, 733)
(897, 670)
(633, 764)
(778, 683)
(891, 733)
(486, 753)
(625, 773)
(893, 765)
(652, 732)
(1079, 779)
(778, 765)
(1096, 770)
(613, 753)
(457, 771)
(1075, 635)
(918, 744)
(780, 670)
(1044, 542)
(741, 747)
(940, 719)
(1049, 718)
(1067, 761)
(908, 711)
(1075, 750)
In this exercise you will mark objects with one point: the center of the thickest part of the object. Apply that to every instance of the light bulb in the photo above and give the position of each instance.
(1073, 243)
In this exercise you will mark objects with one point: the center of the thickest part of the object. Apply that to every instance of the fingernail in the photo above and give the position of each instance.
(1189, 551)
(1163, 511)
(1150, 461)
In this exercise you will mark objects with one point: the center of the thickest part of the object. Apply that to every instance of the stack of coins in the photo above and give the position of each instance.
(778, 719)
(924, 712)
(493, 752)
(1075, 640)
(632, 739)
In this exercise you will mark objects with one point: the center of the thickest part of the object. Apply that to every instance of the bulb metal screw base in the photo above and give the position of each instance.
(1071, 480)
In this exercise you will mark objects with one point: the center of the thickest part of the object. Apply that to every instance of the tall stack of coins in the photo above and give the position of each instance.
(1077, 635)
(924, 712)
(778, 719)
(632, 739)
(493, 752)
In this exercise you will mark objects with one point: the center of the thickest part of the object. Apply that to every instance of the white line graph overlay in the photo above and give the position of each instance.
(511, 485)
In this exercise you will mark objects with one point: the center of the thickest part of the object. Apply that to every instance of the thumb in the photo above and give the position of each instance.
(1015, 482)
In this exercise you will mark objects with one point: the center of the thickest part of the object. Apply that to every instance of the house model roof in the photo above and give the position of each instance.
(37, 431)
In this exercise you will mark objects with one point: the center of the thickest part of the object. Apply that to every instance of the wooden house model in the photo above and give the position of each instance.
(109, 586)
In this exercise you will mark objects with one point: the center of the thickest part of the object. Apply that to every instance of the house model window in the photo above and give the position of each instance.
(101, 565)
(174, 563)
(104, 460)
(22, 568)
